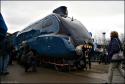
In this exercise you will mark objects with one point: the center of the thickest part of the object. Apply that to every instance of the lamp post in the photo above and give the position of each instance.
(104, 42)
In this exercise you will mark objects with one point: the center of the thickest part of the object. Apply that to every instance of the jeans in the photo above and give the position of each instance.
(112, 67)
(4, 63)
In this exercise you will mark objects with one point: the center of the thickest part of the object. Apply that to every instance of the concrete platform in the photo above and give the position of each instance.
(98, 74)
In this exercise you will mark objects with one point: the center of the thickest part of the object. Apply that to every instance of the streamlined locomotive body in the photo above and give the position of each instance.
(55, 36)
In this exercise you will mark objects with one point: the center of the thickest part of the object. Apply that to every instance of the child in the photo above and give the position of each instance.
(31, 61)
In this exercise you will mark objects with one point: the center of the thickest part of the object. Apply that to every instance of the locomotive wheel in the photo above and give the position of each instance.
(80, 64)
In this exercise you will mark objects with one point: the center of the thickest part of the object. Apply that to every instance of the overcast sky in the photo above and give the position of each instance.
(96, 16)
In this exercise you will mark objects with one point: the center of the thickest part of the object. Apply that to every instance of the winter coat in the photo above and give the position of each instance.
(114, 47)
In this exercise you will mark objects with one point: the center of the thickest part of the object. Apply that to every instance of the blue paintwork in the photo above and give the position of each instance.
(53, 46)
(47, 25)
(50, 36)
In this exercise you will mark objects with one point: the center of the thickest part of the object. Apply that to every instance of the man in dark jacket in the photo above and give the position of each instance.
(3, 47)
(113, 49)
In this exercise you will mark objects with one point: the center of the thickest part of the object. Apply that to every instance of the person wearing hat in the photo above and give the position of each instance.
(4, 58)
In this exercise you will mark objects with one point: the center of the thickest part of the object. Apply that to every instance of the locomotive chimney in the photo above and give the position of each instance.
(62, 11)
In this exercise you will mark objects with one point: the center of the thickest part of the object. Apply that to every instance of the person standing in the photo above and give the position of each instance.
(4, 58)
(90, 54)
(113, 48)
(30, 60)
